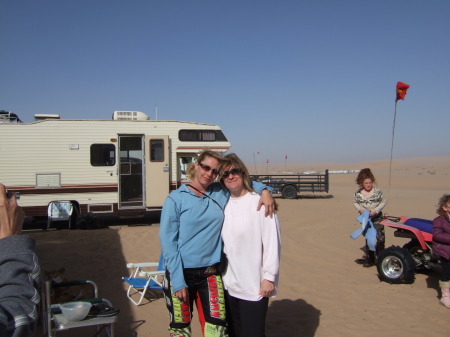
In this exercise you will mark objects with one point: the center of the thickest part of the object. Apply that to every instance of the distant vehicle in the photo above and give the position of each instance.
(290, 185)
(125, 166)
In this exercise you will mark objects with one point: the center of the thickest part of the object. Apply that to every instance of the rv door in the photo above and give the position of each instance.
(157, 170)
(130, 171)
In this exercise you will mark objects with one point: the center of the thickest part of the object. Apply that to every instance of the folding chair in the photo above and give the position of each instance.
(53, 320)
(143, 279)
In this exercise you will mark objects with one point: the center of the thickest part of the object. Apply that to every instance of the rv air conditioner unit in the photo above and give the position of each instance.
(130, 116)
(40, 117)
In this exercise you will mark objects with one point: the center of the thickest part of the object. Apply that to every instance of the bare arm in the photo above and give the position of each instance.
(268, 201)
(11, 215)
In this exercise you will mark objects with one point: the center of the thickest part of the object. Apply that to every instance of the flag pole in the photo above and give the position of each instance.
(392, 145)
(400, 93)
(259, 163)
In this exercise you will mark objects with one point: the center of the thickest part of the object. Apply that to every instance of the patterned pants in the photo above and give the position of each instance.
(206, 289)
(381, 238)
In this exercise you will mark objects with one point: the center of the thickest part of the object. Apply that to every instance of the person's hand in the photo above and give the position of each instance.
(268, 202)
(373, 212)
(11, 215)
(267, 288)
(182, 295)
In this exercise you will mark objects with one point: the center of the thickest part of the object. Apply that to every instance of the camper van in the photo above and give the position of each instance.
(125, 166)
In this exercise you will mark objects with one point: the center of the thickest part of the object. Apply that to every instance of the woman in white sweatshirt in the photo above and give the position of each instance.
(252, 247)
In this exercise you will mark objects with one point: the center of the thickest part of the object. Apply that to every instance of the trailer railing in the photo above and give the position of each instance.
(289, 185)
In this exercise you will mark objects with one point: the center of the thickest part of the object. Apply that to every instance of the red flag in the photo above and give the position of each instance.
(401, 90)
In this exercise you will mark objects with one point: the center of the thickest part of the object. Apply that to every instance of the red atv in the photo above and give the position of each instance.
(398, 265)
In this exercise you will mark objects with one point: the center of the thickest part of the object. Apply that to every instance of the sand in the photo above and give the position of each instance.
(322, 291)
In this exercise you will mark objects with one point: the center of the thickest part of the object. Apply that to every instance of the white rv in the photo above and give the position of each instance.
(119, 166)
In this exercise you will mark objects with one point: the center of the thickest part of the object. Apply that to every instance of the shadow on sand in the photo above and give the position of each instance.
(104, 263)
(292, 318)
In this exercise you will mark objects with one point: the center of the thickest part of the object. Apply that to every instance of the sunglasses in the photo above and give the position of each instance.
(208, 168)
(234, 172)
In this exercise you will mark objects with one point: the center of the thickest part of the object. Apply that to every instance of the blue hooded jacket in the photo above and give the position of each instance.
(367, 229)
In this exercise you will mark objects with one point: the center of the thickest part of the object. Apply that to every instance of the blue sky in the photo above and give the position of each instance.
(313, 80)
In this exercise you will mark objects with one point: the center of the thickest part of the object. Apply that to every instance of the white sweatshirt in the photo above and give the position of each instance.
(252, 245)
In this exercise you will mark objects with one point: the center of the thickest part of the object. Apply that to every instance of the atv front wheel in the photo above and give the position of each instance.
(395, 265)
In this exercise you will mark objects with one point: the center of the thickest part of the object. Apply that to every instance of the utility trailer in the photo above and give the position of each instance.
(124, 166)
(290, 185)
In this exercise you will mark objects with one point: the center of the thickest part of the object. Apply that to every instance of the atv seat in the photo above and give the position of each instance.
(421, 224)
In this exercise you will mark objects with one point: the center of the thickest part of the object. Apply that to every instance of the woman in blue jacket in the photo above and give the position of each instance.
(191, 223)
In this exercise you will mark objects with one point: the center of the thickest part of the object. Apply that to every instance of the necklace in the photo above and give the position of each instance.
(206, 195)
(196, 189)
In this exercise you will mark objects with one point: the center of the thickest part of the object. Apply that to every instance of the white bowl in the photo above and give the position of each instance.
(75, 311)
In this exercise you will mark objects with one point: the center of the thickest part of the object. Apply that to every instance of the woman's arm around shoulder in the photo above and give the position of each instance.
(266, 197)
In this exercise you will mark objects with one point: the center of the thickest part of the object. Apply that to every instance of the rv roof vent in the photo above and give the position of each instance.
(39, 117)
(129, 116)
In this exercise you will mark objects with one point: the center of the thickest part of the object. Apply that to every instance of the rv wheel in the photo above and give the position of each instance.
(86, 221)
(395, 265)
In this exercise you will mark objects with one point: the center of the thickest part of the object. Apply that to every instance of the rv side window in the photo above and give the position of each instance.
(197, 135)
(103, 155)
(156, 150)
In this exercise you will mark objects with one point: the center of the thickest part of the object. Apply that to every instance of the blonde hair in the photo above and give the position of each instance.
(190, 172)
(443, 201)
